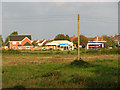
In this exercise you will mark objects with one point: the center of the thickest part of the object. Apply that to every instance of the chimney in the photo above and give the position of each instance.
(73, 36)
(115, 34)
(97, 37)
(102, 38)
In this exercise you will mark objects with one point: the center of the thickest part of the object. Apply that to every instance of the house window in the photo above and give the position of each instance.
(14, 47)
(14, 43)
(27, 47)
(20, 47)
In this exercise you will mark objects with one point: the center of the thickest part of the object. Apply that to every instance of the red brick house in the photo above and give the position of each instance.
(20, 42)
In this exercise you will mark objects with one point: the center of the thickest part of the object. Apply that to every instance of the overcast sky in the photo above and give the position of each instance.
(46, 20)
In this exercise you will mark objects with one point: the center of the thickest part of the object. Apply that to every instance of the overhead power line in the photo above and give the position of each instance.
(59, 18)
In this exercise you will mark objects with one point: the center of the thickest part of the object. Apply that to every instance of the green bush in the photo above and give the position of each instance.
(80, 63)
(82, 51)
(51, 74)
(114, 51)
(68, 52)
(110, 51)
(58, 52)
(11, 51)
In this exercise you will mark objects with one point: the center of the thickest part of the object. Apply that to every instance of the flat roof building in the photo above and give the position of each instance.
(61, 45)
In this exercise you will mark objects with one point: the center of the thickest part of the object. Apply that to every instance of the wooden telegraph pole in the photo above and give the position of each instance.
(78, 39)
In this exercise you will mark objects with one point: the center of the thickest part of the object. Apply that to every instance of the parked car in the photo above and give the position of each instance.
(50, 48)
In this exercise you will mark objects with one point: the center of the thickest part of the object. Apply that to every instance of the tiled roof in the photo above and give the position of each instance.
(97, 38)
(90, 38)
(18, 37)
(72, 38)
(35, 40)
(40, 41)
(116, 37)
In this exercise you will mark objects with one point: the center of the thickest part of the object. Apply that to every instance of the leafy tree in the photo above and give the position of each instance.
(6, 40)
(83, 41)
(13, 33)
(62, 37)
(1, 41)
(109, 41)
(67, 37)
(113, 44)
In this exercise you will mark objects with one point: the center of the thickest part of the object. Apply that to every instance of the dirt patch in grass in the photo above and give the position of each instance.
(8, 60)
(80, 63)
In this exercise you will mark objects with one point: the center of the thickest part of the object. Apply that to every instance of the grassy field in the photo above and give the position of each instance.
(27, 70)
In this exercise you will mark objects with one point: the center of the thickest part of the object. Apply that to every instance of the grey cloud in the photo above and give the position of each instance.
(46, 20)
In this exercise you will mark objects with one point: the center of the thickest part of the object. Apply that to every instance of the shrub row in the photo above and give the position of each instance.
(11, 51)
(103, 51)
(89, 51)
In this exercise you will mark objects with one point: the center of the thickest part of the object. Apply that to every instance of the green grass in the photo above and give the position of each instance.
(98, 73)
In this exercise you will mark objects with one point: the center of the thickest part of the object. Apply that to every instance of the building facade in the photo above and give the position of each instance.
(19, 42)
(96, 43)
(59, 45)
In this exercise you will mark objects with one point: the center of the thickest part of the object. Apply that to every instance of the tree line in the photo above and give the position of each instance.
(83, 39)
(2, 43)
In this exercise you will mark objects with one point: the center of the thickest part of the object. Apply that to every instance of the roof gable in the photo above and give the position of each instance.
(27, 44)
(72, 38)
